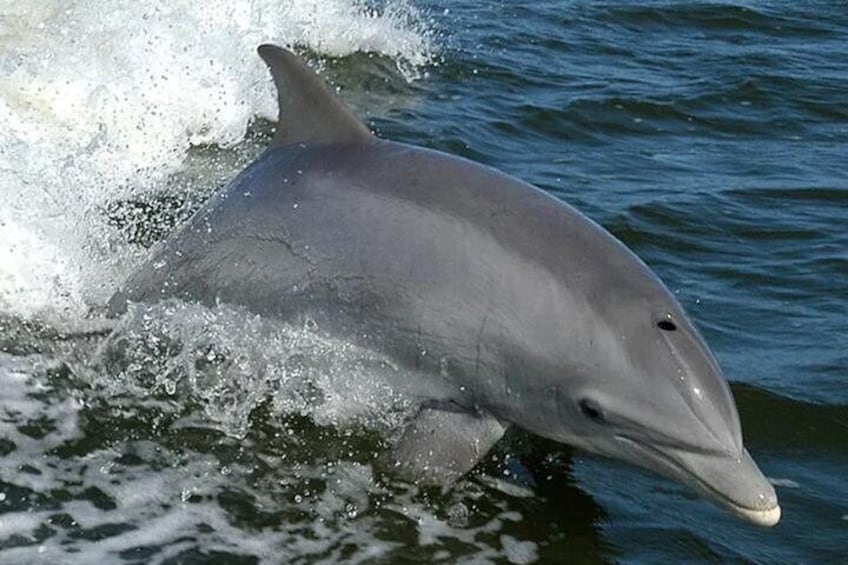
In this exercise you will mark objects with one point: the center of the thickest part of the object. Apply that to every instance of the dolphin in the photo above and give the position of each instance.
(512, 306)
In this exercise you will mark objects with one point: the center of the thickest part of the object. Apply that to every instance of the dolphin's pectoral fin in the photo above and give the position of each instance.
(310, 112)
(443, 443)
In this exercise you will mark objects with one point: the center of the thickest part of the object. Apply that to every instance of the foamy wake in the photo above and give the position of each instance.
(101, 100)
(144, 493)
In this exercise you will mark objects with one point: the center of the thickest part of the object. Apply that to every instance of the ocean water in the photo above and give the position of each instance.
(710, 137)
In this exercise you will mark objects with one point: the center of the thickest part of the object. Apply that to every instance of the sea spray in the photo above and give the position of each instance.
(101, 102)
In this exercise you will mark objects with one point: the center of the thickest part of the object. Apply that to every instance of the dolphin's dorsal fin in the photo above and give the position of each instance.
(310, 112)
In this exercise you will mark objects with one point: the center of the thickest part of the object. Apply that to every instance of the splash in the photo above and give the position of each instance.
(102, 101)
(231, 363)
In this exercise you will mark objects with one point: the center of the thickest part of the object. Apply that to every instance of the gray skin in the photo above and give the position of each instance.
(509, 305)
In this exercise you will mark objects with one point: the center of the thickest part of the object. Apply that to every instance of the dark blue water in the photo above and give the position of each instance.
(712, 138)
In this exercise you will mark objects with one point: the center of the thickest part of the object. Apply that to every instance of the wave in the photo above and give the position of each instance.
(103, 101)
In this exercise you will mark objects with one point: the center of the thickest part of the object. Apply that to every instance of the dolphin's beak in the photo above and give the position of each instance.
(733, 482)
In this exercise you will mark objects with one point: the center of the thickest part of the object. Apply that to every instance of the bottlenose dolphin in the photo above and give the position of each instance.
(514, 307)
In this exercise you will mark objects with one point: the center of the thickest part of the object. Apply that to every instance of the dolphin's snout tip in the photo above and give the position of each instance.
(765, 510)
(766, 518)
(734, 483)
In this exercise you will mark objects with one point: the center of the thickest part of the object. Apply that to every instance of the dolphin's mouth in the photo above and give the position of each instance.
(767, 513)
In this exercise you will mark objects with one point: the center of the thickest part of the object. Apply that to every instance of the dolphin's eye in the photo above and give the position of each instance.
(666, 325)
(592, 410)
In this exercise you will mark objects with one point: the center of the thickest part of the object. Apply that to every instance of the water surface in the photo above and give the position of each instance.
(710, 137)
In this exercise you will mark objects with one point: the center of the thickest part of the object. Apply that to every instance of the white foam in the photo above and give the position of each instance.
(484, 536)
(786, 483)
(519, 552)
(100, 100)
(21, 392)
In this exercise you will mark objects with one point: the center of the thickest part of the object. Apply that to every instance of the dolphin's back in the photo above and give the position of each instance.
(373, 241)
